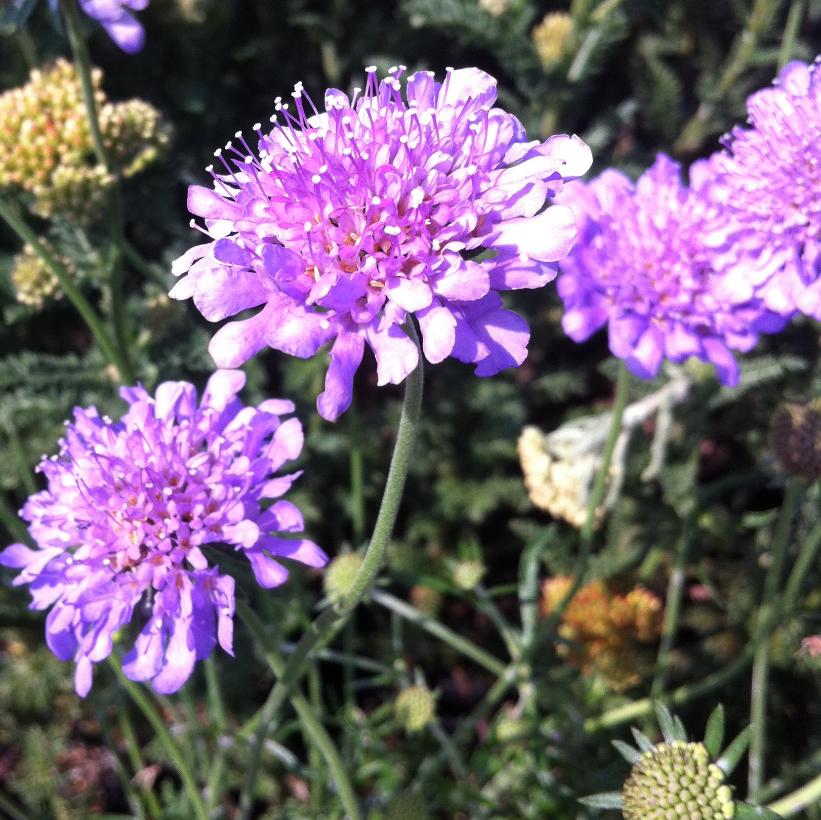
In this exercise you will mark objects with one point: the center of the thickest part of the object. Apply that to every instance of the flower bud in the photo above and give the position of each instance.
(415, 708)
(677, 779)
(340, 575)
(468, 574)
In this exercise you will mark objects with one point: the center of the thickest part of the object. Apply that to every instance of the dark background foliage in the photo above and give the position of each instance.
(637, 77)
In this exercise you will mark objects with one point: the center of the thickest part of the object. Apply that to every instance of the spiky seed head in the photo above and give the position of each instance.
(674, 780)
(415, 708)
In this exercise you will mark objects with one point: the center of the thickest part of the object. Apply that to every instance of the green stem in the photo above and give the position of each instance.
(313, 728)
(775, 615)
(672, 608)
(438, 630)
(82, 60)
(216, 708)
(761, 662)
(23, 468)
(11, 521)
(694, 131)
(10, 215)
(11, 809)
(146, 268)
(330, 621)
(794, 18)
(151, 714)
(808, 795)
(639, 708)
(595, 500)
(135, 758)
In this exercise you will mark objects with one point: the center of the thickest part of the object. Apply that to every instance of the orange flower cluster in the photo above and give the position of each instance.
(603, 630)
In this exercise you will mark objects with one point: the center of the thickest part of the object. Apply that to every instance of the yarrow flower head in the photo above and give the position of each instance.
(130, 505)
(344, 222)
(642, 266)
(769, 181)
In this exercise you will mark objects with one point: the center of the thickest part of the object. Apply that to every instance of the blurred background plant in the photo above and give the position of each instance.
(521, 689)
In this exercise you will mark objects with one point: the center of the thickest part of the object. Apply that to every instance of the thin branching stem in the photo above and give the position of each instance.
(595, 500)
(761, 661)
(332, 619)
(152, 715)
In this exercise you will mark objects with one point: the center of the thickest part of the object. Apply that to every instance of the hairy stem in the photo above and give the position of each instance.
(331, 620)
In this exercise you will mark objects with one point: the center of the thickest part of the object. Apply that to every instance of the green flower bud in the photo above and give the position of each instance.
(677, 780)
(339, 576)
(468, 574)
(415, 708)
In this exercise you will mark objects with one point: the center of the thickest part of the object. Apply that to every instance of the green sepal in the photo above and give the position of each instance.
(714, 733)
(744, 811)
(644, 743)
(667, 724)
(734, 752)
(631, 755)
(605, 800)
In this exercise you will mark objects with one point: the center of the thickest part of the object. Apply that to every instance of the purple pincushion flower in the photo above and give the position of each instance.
(769, 181)
(128, 507)
(643, 266)
(345, 222)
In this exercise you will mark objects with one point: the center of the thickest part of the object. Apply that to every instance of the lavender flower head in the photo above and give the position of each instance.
(641, 266)
(769, 180)
(349, 220)
(128, 507)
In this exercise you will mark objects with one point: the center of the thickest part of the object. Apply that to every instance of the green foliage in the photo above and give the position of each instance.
(633, 77)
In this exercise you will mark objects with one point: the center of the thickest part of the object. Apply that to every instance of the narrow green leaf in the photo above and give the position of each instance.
(605, 800)
(734, 752)
(644, 742)
(744, 811)
(714, 733)
(631, 755)
(680, 731)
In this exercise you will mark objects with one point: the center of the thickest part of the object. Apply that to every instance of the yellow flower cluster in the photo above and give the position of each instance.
(33, 282)
(552, 37)
(46, 148)
(603, 628)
